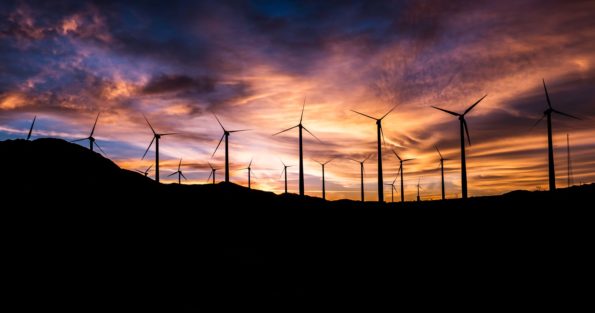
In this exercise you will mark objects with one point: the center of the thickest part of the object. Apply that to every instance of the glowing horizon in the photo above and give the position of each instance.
(252, 63)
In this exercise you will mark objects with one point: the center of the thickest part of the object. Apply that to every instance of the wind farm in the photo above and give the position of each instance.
(378, 183)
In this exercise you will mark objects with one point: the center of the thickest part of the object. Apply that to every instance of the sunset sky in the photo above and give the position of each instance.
(252, 63)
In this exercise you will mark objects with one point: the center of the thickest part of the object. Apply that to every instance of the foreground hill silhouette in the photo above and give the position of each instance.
(84, 234)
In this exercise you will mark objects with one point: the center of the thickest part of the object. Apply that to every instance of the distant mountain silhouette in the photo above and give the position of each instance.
(83, 233)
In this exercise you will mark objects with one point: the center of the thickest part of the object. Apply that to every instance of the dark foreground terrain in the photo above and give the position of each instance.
(82, 234)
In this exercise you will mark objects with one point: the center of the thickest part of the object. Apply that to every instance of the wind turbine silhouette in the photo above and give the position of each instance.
(285, 171)
(213, 172)
(156, 138)
(31, 128)
(361, 166)
(441, 170)
(90, 138)
(323, 186)
(146, 172)
(550, 146)
(179, 172)
(249, 172)
(418, 188)
(393, 189)
(401, 161)
(226, 134)
(380, 134)
(464, 129)
(300, 126)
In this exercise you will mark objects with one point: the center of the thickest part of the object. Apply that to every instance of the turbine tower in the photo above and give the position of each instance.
(249, 168)
(441, 171)
(393, 189)
(550, 146)
(361, 166)
(156, 137)
(285, 172)
(380, 135)
(401, 161)
(464, 129)
(213, 172)
(179, 172)
(323, 186)
(31, 128)
(226, 134)
(90, 138)
(300, 126)
(418, 188)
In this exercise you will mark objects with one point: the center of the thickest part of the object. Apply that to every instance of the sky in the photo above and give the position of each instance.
(252, 63)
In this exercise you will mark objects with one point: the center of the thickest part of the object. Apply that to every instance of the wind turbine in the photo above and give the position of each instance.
(393, 189)
(300, 126)
(550, 147)
(379, 135)
(146, 172)
(213, 172)
(180, 174)
(90, 138)
(285, 172)
(31, 129)
(441, 171)
(401, 161)
(249, 168)
(361, 166)
(226, 134)
(418, 188)
(464, 129)
(156, 138)
(323, 187)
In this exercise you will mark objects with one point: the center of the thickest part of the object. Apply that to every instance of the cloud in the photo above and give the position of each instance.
(178, 83)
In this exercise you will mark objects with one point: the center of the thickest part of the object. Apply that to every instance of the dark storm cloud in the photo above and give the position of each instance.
(178, 83)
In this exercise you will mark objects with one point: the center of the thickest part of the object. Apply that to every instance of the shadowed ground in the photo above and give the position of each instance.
(81, 233)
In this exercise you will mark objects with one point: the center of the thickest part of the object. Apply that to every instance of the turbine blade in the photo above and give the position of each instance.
(149, 168)
(395, 189)
(140, 171)
(172, 174)
(148, 148)
(547, 96)
(285, 130)
(80, 139)
(327, 162)
(311, 134)
(96, 144)
(220, 140)
(31, 129)
(467, 131)
(368, 116)
(210, 174)
(167, 134)
(440, 154)
(382, 134)
(179, 165)
(239, 130)
(183, 176)
(95, 124)
(398, 157)
(447, 111)
(250, 163)
(474, 104)
(565, 114)
(387, 113)
(408, 159)
(153, 130)
(394, 180)
(539, 120)
(303, 107)
(369, 155)
(218, 121)
(283, 171)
